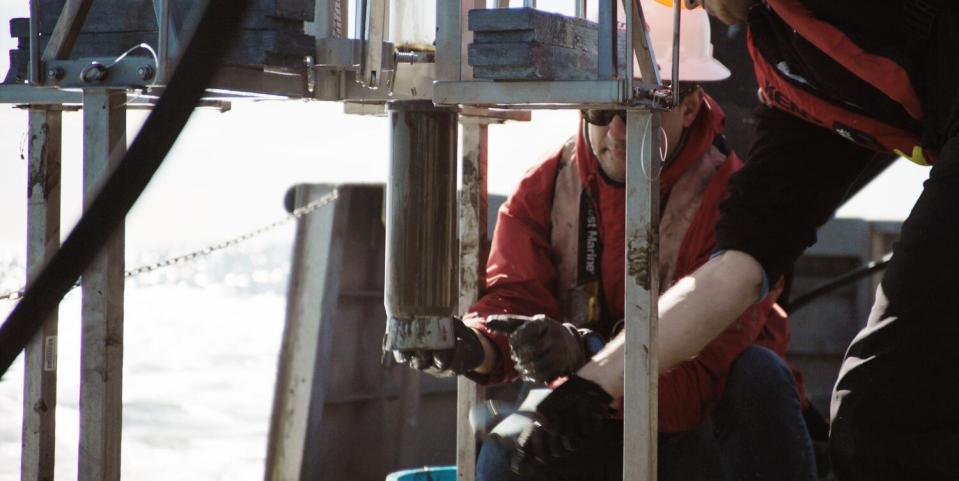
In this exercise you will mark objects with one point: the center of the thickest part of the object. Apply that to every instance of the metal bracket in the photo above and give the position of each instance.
(371, 62)
(347, 54)
(132, 72)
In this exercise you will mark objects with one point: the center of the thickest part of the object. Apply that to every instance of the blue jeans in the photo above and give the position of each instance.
(756, 433)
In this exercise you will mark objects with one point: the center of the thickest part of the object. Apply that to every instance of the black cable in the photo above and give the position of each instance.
(871, 268)
(202, 57)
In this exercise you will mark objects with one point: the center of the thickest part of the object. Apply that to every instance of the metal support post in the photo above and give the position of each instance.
(329, 22)
(474, 202)
(101, 353)
(371, 62)
(449, 40)
(643, 162)
(43, 240)
(308, 334)
(34, 75)
(606, 56)
(168, 21)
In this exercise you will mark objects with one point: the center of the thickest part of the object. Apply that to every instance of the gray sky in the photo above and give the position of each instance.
(228, 171)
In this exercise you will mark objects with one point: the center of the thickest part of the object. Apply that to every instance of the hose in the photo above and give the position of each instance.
(201, 58)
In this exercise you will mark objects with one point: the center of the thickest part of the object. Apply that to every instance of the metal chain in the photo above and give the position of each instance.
(299, 212)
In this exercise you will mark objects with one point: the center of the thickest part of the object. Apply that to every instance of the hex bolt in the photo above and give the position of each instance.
(145, 72)
(55, 73)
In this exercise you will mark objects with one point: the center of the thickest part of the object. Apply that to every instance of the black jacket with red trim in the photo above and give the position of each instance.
(859, 59)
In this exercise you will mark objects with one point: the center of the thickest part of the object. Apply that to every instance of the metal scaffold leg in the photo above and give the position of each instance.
(43, 239)
(101, 353)
(474, 202)
(642, 294)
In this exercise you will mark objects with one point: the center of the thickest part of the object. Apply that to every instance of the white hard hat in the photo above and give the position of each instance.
(696, 62)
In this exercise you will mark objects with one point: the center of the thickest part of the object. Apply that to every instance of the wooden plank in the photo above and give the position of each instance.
(20, 27)
(530, 61)
(545, 73)
(474, 206)
(43, 240)
(277, 49)
(520, 44)
(307, 335)
(527, 54)
(642, 295)
(101, 353)
(500, 19)
(567, 34)
(19, 67)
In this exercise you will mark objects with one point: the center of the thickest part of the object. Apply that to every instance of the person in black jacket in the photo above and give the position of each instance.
(842, 83)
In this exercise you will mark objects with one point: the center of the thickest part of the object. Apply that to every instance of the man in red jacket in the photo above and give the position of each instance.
(842, 82)
(734, 410)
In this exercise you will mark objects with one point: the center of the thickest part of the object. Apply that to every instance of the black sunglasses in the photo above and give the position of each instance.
(602, 118)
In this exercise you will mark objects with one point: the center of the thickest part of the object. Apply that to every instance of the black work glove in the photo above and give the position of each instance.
(466, 355)
(566, 419)
(542, 348)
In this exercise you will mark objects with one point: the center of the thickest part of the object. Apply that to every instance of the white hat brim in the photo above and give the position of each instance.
(694, 70)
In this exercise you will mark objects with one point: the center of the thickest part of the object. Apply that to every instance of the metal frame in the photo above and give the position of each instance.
(642, 220)
(105, 137)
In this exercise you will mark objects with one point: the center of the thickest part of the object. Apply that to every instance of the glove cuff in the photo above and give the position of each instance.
(472, 346)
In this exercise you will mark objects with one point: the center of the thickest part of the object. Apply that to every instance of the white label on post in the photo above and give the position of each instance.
(50, 353)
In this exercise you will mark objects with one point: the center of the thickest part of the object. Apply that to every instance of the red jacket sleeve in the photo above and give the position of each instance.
(520, 275)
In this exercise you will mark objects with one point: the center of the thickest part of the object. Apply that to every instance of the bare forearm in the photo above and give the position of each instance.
(691, 314)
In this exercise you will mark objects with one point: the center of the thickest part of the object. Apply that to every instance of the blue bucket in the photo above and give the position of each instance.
(428, 473)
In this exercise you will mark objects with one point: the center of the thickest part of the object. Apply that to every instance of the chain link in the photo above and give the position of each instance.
(299, 212)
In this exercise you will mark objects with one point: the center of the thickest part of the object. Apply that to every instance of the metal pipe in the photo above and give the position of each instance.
(163, 41)
(422, 255)
(676, 21)
(641, 46)
(449, 40)
(606, 68)
(580, 8)
(642, 294)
